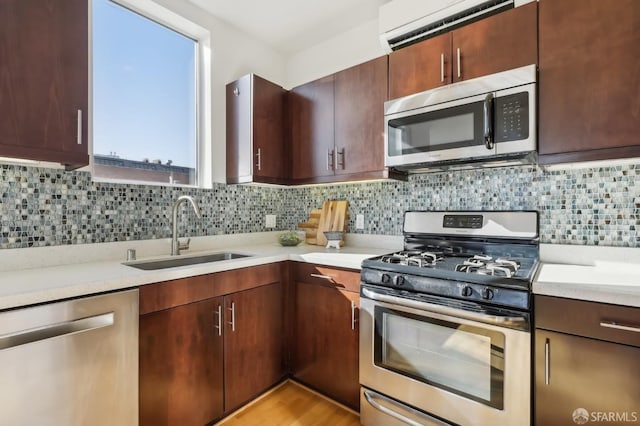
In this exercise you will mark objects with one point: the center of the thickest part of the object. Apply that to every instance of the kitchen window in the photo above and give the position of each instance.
(148, 109)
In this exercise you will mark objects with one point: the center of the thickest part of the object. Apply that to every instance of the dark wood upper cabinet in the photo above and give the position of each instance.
(337, 126)
(498, 43)
(589, 80)
(255, 131)
(253, 343)
(44, 80)
(360, 93)
(311, 125)
(421, 66)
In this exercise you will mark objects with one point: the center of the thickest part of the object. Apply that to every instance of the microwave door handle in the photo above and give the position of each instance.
(488, 121)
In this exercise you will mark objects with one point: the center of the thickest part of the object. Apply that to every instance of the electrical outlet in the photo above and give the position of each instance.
(270, 221)
(360, 221)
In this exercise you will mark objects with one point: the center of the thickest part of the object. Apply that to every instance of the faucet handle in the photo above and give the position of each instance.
(184, 245)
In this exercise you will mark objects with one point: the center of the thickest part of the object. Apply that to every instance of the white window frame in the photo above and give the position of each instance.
(182, 25)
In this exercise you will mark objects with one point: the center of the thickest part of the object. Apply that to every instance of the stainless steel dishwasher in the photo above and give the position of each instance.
(71, 363)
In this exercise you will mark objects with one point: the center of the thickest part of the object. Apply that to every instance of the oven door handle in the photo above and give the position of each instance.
(425, 419)
(444, 310)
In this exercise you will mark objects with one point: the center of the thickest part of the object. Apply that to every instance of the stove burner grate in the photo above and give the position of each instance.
(413, 258)
(486, 265)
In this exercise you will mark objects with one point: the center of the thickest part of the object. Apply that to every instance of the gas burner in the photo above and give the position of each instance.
(413, 258)
(392, 258)
(486, 265)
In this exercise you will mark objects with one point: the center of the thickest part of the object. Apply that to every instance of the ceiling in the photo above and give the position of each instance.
(293, 25)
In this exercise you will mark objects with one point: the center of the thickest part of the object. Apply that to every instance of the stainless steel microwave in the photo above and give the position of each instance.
(486, 121)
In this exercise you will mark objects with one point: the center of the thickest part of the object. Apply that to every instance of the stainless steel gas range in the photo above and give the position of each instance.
(445, 324)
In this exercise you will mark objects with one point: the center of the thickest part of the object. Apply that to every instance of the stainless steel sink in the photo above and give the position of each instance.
(184, 261)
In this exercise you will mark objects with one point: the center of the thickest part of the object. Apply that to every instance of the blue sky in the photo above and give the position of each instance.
(143, 88)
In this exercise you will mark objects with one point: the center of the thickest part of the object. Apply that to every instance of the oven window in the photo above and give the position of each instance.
(448, 128)
(463, 359)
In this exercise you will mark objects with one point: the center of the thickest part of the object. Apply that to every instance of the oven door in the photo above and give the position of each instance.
(443, 361)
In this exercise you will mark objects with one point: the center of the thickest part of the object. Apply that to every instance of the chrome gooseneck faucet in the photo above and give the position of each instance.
(176, 245)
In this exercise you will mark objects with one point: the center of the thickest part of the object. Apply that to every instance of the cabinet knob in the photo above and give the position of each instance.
(236, 91)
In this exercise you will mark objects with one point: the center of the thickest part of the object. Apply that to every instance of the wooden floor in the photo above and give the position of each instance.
(292, 405)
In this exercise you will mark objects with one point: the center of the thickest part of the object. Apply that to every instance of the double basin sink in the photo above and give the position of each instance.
(184, 261)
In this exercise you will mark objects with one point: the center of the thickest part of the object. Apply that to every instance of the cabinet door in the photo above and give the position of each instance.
(420, 67)
(360, 93)
(589, 80)
(181, 378)
(311, 120)
(576, 372)
(253, 343)
(325, 354)
(238, 131)
(498, 43)
(270, 158)
(43, 80)
(255, 154)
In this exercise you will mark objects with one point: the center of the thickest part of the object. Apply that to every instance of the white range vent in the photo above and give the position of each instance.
(404, 22)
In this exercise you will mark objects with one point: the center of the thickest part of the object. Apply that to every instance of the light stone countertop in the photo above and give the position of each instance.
(597, 274)
(39, 275)
(54, 273)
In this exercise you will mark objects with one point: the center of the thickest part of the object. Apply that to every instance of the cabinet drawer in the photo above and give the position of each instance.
(620, 324)
(344, 279)
(168, 294)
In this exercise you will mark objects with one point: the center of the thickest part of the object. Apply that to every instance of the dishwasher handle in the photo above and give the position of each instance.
(24, 337)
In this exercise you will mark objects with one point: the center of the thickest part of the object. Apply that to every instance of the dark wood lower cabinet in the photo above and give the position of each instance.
(575, 372)
(204, 349)
(181, 376)
(253, 343)
(211, 343)
(325, 349)
(587, 362)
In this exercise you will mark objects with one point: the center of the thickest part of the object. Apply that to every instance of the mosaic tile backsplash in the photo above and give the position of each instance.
(44, 207)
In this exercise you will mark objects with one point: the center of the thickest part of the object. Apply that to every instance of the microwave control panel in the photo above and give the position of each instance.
(511, 117)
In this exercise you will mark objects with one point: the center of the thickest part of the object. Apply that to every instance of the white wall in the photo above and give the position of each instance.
(342, 51)
(234, 54)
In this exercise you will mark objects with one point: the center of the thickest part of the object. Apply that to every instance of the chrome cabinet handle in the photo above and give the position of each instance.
(353, 315)
(79, 127)
(330, 159)
(459, 67)
(442, 67)
(57, 330)
(620, 326)
(218, 314)
(488, 121)
(233, 316)
(236, 91)
(373, 398)
(547, 352)
(340, 154)
(324, 277)
(259, 157)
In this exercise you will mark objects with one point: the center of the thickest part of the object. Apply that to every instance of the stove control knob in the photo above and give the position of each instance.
(467, 291)
(399, 280)
(386, 278)
(487, 293)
